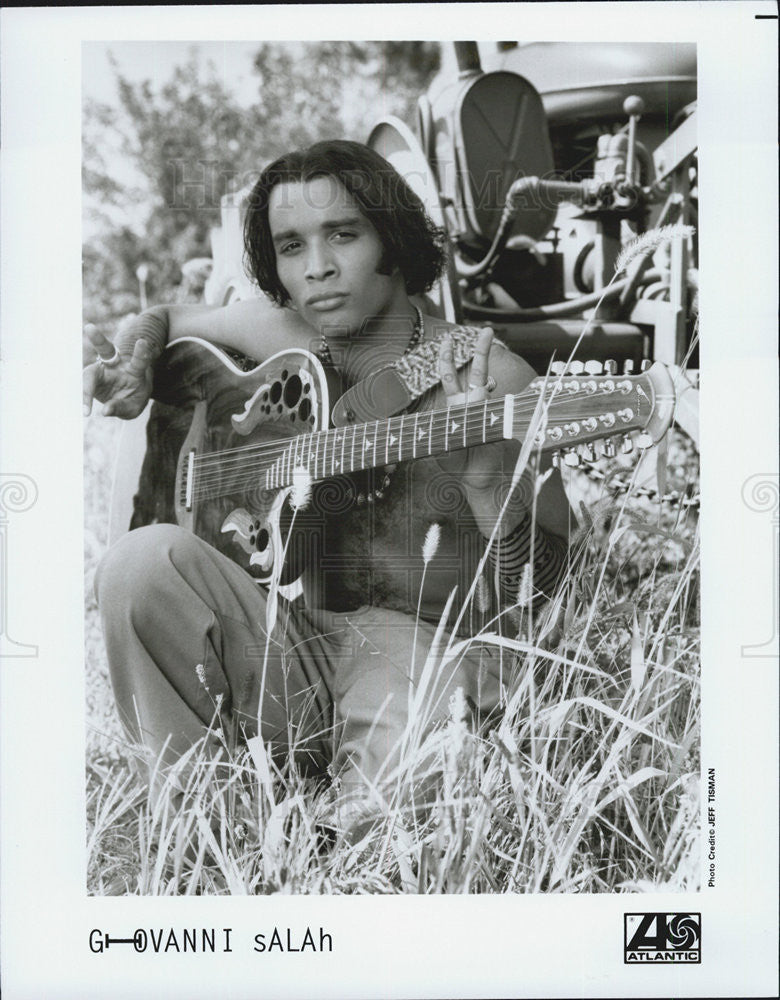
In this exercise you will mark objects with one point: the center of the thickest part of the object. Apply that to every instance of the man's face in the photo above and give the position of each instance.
(327, 254)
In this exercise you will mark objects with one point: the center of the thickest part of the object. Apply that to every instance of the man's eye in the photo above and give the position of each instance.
(343, 235)
(289, 248)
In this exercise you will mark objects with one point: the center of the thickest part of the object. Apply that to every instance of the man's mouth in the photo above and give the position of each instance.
(326, 301)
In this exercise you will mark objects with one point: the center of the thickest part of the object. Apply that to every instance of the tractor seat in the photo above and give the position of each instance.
(499, 134)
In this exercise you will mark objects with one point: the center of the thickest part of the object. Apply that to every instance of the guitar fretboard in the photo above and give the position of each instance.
(348, 449)
(578, 409)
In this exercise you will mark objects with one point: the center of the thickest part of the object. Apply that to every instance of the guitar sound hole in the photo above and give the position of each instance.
(304, 409)
(276, 392)
(292, 390)
(262, 540)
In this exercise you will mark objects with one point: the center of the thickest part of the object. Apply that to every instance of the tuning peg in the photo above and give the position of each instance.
(593, 368)
(558, 368)
(571, 458)
(609, 448)
(586, 452)
(610, 367)
(627, 445)
(598, 449)
(647, 363)
(628, 366)
(555, 458)
(576, 367)
(644, 440)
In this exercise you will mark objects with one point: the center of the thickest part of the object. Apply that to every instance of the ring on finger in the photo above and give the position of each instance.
(489, 385)
(111, 362)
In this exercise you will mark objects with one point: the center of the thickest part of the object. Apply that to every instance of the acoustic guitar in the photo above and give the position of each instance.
(250, 433)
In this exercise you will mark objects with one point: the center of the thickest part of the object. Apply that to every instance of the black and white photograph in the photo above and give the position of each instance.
(407, 528)
(448, 664)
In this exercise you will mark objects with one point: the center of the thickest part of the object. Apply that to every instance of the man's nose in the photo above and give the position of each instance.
(319, 262)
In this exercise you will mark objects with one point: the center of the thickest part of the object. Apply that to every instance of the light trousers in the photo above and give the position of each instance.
(188, 648)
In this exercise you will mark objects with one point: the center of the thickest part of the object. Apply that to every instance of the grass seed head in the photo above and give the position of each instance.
(649, 242)
(300, 495)
(431, 543)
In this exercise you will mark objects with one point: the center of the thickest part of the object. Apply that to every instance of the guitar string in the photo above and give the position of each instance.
(217, 463)
(236, 473)
(213, 467)
(521, 407)
(248, 478)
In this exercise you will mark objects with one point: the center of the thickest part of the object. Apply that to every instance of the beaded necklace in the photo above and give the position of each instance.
(323, 352)
(326, 358)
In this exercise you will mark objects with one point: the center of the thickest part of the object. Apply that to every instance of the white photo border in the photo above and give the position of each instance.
(412, 946)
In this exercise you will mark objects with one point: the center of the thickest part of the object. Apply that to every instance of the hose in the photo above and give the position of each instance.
(533, 187)
(557, 310)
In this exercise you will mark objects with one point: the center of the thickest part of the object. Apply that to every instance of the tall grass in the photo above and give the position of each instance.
(588, 781)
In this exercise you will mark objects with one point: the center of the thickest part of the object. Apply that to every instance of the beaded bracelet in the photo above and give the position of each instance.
(151, 326)
(510, 555)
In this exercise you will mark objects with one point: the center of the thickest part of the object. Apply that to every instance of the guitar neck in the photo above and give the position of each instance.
(341, 450)
(576, 410)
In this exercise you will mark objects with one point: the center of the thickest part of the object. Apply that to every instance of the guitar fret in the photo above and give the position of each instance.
(414, 436)
(333, 453)
(376, 435)
(484, 420)
(447, 430)
(343, 446)
(352, 451)
(430, 435)
(465, 423)
(401, 436)
(387, 441)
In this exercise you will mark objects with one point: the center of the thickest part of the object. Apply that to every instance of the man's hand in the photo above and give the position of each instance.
(124, 386)
(485, 471)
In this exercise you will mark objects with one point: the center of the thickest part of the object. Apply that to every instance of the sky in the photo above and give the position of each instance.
(154, 60)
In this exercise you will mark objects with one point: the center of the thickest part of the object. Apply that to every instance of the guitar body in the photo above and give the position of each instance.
(229, 441)
(206, 401)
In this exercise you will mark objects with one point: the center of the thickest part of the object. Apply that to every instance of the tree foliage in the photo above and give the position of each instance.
(156, 164)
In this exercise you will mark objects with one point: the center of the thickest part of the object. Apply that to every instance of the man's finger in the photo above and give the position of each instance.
(101, 343)
(479, 366)
(447, 372)
(141, 359)
(88, 391)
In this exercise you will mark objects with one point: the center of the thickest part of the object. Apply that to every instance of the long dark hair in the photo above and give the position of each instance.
(411, 242)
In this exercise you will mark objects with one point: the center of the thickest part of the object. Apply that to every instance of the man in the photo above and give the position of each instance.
(339, 243)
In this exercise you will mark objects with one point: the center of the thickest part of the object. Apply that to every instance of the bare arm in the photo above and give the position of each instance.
(254, 327)
(487, 471)
(532, 528)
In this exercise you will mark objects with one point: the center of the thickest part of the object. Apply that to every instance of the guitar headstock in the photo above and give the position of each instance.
(589, 404)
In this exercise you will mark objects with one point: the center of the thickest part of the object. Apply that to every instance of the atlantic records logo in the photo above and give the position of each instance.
(662, 937)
